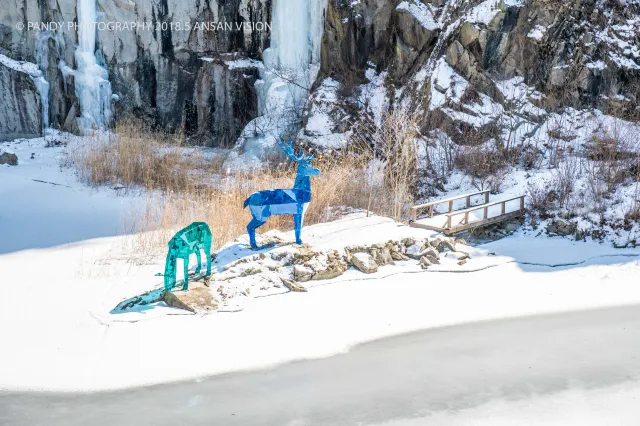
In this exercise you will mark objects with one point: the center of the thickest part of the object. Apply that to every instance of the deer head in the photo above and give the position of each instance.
(304, 161)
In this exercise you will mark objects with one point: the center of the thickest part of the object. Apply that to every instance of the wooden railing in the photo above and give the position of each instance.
(430, 206)
(484, 207)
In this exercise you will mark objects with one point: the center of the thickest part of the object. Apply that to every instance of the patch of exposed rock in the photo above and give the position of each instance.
(10, 159)
(294, 268)
(198, 298)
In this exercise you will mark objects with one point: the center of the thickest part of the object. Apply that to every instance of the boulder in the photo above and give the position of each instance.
(10, 159)
(293, 286)
(562, 228)
(382, 255)
(302, 273)
(20, 108)
(468, 34)
(197, 299)
(334, 267)
(364, 262)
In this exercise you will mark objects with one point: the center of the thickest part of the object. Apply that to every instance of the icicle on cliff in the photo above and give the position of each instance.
(291, 65)
(91, 79)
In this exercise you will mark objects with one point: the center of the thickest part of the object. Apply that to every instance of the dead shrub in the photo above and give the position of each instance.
(540, 200)
(136, 156)
(485, 164)
(565, 177)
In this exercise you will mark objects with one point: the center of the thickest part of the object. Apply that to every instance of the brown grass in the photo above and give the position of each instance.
(183, 185)
(133, 155)
(340, 184)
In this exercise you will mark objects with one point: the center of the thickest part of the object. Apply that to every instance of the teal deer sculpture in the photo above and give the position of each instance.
(188, 241)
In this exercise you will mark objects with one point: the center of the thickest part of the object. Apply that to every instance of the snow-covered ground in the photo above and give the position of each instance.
(43, 205)
(60, 284)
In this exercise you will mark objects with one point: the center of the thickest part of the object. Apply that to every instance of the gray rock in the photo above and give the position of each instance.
(20, 108)
(364, 262)
(302, 273)
(10, 159)
(293, 286)
(561, 227)
(198, 298)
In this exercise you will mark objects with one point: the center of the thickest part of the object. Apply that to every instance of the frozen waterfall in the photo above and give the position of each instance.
(91, 78)
(291, 65)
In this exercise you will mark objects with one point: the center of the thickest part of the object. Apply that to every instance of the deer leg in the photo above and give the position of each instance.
(251, 229)
(207, 253)
(185, 262)
(297, 222)
(170, 272)
(199, 257)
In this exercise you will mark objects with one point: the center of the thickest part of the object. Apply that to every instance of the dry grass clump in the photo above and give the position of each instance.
(185, 185)
(486, 165)
(342, 183)
(134, 155)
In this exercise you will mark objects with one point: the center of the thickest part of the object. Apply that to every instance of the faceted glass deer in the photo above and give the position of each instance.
(188, 241)
(276, 202)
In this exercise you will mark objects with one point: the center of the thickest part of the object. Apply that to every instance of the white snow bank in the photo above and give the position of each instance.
(420, 12)
(488, 9)
(21, 66)
(58, 342)
(45, 205)
(58, 333)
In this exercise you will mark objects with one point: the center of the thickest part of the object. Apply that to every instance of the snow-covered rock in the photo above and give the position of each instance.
(364, 262)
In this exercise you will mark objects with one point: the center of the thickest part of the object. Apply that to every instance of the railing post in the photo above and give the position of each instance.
(448, 222)
(468, 201)
(431, 210)
(466, 218)
(414, 214)
(450, 206)
(503, 207)
(522, 203)
(486, 212)
(486, 197)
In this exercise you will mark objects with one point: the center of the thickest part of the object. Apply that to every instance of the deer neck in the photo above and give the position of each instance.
(302, 182)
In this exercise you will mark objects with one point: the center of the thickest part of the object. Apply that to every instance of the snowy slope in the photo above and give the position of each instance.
(59, 332)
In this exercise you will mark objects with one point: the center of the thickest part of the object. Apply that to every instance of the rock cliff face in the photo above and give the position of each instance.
(156, 70)
(21, 116)
(461, 65)
(457, 64)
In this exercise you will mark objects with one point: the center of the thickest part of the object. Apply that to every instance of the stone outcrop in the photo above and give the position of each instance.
(156, 72)
(289, 268)
(580, 54)
(7, 158)
(20, 108)
(562, 228)
(198, 298)
(364, 262)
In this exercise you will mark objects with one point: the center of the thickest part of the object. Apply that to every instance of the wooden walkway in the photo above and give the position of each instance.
(454, 221)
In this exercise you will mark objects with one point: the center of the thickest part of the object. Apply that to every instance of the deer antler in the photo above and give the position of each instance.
(287, 148)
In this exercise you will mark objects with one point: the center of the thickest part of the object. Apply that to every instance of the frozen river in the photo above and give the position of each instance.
(576, 368)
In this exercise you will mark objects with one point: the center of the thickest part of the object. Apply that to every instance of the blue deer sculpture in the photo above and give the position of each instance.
(277, 202)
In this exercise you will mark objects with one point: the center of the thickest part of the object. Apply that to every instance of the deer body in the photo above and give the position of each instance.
(276, 202)
(190, 240)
